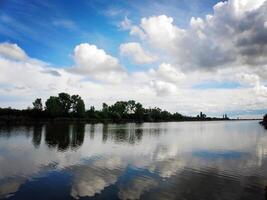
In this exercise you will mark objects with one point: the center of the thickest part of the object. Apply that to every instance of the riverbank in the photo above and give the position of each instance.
(264, 121)
(33, 121)
(71, 108)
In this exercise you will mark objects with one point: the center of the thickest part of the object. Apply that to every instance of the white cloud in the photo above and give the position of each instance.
(136, 31)
(168, 73)
(12, 51)
(137, 53)
(245, 5)
(251, 79)
(234, 34)
(163, 88)
(160, 31)
(255, 81)
(97, 64)
(127, 24)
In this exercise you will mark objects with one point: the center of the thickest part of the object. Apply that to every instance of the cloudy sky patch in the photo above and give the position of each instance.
(212, 57)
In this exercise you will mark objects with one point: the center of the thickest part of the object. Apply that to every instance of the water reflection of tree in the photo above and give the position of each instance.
(37, 135)
(92, 131)
(64, 136)
(77, 135)
(122, 135)
(105, 133)
(8, 131)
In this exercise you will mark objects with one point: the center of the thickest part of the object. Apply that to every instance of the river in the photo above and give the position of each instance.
(177, 160)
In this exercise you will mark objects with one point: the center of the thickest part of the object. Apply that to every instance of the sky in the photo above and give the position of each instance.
(184, 56)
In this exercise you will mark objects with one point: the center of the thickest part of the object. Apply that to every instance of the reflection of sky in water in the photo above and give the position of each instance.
(186, 160)
(219, 154)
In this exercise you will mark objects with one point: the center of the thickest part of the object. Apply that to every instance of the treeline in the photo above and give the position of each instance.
(264, 121)
(71, 107)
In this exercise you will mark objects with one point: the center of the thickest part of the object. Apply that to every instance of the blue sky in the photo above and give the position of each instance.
(49, 30)
(181, 55)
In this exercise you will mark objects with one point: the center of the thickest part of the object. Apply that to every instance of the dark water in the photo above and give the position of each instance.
(186, 160)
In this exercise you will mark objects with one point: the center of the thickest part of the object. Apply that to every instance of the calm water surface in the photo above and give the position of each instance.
(185, 160)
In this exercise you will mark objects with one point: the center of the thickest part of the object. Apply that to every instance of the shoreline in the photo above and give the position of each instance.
(30, 121)
(263, 123)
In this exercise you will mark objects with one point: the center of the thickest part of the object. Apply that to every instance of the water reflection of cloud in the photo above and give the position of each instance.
(209, 183)
(89, 180)
(168, 167)
(10, 186)
(136, 187)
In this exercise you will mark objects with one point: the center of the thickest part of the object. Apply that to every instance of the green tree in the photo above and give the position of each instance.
(131, 107)
(120, 107)
(77, 105)
(65, 102)
(105, 110)
(53, 106)
(139, 112)
(80, 108)
(91, 112)
(37, 104)
(104, 107)
(265, 118)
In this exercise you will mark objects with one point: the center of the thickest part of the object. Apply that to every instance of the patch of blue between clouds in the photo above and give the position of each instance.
(241, 113)
(216, 85)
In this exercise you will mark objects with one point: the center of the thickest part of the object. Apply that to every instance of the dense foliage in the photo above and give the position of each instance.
(65, 106)
(265, 118)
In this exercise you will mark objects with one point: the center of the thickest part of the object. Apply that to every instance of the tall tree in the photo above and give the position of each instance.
(77, 105)
(139, 112)
(265, 118)
(65, 101)
(37, 104)
(53, 106)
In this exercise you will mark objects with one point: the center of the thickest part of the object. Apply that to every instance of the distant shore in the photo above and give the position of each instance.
(66, 108)
(38, 121)
(263, 123)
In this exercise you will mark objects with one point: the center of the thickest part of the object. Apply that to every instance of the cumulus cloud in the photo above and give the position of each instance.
(52, 72)
(97, 63)
(12, 51)
(234, 34)
(160, 31)
(163, 88)
(251, 79)
(167, 72)
(255, 81)
(127, 24)
(135, 51)
(21, 79)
